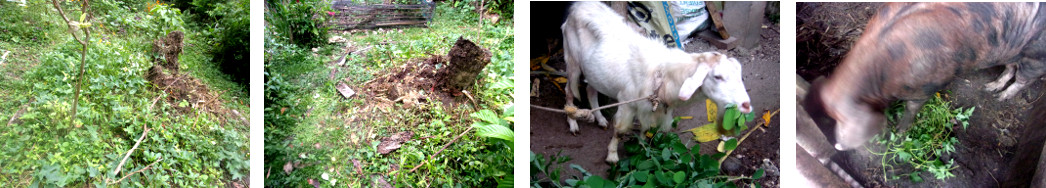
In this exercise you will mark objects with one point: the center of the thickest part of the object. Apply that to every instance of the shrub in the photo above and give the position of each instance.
(299, 22)
(232, 49)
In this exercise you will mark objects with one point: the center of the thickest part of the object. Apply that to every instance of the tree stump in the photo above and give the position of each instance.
(466, 62)
(169, 48)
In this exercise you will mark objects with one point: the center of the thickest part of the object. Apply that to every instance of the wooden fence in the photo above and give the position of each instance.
(349, 16)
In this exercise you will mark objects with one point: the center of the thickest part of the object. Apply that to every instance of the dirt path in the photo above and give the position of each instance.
(549, 131)
(983, 150)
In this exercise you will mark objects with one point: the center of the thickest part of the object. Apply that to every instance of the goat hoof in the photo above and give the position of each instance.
(612, 158)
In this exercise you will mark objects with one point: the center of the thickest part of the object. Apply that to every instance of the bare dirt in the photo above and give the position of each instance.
(826, 31)
(182, 88)
(418, 80)
(549, 132)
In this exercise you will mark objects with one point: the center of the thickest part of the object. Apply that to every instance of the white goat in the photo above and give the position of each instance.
(625, 65)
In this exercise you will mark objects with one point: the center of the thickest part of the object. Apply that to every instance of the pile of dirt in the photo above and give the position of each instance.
(410, 83)
(825, 32)
(434, 78)
(180, 87)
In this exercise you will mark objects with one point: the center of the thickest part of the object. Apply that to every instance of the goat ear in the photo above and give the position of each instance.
(693, 82)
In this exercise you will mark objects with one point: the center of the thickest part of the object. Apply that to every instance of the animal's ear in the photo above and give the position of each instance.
(693, 82)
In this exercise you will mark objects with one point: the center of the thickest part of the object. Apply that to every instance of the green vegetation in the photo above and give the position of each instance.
(929, 138)
(734, 120)
(41, 147)
(661, 161)
(315, 135)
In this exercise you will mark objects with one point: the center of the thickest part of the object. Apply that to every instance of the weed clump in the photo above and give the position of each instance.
(929, 141)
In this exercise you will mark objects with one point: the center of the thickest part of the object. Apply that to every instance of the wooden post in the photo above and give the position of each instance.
(717, 19)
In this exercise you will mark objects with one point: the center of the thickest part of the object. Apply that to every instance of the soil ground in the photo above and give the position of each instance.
(549, 132)
(826, 31)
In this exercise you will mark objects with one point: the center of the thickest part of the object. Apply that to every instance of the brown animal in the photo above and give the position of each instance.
(911, 50)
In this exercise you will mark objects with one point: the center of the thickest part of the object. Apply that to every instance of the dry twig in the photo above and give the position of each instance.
(441, 149)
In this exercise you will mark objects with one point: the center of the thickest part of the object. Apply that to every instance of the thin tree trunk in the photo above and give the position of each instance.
(83, 53)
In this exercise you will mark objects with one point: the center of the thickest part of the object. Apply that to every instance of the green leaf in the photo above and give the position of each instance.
(678, 177)
(494, 131)
(486, 115)
(645, 165)
(730, 144)
(82, 17)
(730, 118)
(665, 154)
(641, 176)
(502, 84)
(661, 177)
(915, 177)
(758, 174)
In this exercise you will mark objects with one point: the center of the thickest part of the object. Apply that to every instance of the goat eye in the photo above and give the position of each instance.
(718, 77)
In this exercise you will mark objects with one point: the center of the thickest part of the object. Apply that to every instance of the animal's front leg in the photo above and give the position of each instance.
(911, 109)
(622, 125)
(665, 119)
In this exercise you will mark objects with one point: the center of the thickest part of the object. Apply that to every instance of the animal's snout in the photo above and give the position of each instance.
(746, 107)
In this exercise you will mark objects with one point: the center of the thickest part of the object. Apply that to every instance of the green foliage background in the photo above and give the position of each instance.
(296, 82)
(41, 148)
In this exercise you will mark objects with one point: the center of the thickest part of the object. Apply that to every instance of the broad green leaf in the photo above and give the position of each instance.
(486, 115)
(494, 131)
(730, 118)
(678, 177)
(758, 174)
(645, 165)
(730, 144)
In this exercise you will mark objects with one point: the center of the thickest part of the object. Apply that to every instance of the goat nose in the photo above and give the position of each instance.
(746, 107)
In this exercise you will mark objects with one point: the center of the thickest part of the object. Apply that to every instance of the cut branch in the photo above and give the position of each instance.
(135, 172)
(120, 166)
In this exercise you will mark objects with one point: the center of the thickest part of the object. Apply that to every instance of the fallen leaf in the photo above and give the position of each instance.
(314, 183)
(393, 142)
(284, 109)
(561, 80)
(708, 132)
(686, 117)
(712, 110)
(356, 163)
(537, 61)
(767, 115)
(288, 167)
(379, 181)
